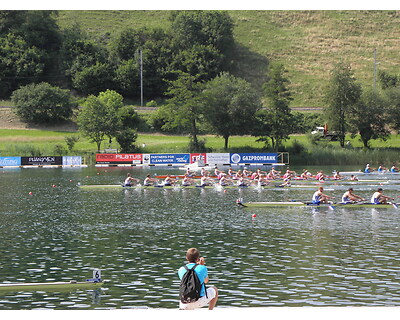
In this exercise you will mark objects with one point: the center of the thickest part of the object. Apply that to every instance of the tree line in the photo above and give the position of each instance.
(373, 113)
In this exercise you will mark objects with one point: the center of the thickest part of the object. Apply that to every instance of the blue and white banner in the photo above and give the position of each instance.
(10, 161)
(260, 158)
(167, 158)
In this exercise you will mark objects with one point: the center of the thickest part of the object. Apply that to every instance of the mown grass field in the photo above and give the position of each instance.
(44, 142)
(308, 43)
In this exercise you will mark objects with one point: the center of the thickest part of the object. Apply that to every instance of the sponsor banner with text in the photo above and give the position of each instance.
(256, 158)
(118, 158)
(167, 158)
(10, 161)
(198, 157)
(72, 160)
(41, 161)
(217, 158)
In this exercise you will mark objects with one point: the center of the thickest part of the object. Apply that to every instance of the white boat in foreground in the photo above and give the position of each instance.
(50, 285)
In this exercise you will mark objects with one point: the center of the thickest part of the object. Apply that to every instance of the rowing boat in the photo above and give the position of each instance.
(50, 285)
(119, 186)
(310, 204)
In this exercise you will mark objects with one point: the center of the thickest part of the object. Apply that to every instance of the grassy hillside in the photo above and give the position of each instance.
(308, 43)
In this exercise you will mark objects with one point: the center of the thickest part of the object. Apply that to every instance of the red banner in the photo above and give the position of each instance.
(194, 157)
(118, 158)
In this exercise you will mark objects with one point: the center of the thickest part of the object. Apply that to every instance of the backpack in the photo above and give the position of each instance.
(190, 287)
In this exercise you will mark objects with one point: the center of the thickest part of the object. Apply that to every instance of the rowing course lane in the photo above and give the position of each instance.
(284, 257)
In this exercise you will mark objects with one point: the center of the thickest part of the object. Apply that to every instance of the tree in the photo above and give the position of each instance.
(204, 61)
(20, 64)
(41, 103)
(342, 95)
(229, 106)
(393, 99)
(94, 79)
(126, 139)
(183, 106)
(369, 117)
(213, 28)
(276, 121)
(99, 116)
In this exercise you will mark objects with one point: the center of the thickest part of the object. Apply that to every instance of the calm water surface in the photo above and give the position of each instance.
(138, 238)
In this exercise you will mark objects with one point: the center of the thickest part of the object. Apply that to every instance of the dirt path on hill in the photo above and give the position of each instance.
(8, 120)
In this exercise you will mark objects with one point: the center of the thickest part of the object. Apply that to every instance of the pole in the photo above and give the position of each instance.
(375, 69)
(141, 78)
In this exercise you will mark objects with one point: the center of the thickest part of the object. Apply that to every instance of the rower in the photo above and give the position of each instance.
(337, 175)
(223, 181)
(353, 178)
(148, 181)
(242, 182)
(231, 173)
(204, 181)
(286, 183)
(246, 172)
(394, 169)
(320, 176)
(189, 173)
(204, 172)
(305, 175)
(168, 181)
(186, 181)
(378, 197)
(319, 197)
(129, 179)
(350, 197)
(368, 169)
(381, 169)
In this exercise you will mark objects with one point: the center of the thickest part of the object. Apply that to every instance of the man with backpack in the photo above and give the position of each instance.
(194, 275)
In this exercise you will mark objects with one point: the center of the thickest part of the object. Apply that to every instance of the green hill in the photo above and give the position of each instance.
(308, 43)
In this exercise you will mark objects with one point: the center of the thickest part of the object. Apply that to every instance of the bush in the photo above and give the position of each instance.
(42, 103)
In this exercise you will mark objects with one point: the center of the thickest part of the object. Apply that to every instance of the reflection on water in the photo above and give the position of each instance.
(138, 238)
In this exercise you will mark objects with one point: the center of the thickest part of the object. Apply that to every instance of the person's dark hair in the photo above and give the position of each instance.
(192, 255)
(350, 189)
(380, 189)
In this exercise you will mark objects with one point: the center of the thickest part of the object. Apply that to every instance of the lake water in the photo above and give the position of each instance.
(138, 238)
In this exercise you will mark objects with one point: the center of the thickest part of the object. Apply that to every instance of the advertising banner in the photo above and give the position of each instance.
(198, 157)
(169, 158)
(118, 158)
(72, 161)
(41, 161)
(10, 161)
(217, 158)
(257, 158)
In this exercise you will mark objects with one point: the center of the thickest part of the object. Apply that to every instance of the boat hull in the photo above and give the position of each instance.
(307, 204)
(50, 286)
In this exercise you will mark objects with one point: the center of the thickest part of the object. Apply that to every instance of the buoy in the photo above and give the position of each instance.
(30, 193)
(54, 185)
(70, 180)
(254, 215)
(225, 191)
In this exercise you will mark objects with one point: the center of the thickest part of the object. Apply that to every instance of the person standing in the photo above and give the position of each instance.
(210, 298)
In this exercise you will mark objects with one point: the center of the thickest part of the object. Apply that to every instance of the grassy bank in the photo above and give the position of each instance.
(301, 150)
(308, 43)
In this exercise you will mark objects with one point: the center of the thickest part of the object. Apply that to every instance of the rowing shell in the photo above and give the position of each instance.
(310, 204)
(118, 186)
(50, 285)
